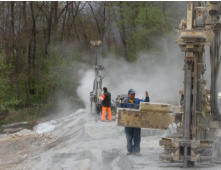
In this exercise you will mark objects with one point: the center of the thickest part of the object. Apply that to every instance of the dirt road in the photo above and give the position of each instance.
(79, 142)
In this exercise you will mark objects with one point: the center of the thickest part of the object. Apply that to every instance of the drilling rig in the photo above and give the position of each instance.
(96, 93)
(198, 118)
(199, 115)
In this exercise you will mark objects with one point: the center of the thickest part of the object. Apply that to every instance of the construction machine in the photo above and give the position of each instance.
(96, 93)
(198, 117)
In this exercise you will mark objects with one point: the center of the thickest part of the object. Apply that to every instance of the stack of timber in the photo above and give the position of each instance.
(149, 115)
(198, 150)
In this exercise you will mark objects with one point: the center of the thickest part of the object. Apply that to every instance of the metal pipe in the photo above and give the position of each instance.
(214, 61)
(187, 107)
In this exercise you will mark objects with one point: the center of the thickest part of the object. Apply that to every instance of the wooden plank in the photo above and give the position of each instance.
(165, 141)
(206, 144)
(157, 120)
(214, 124)
(155, 107)
(129, 118)
(176, 155)
(150, 115)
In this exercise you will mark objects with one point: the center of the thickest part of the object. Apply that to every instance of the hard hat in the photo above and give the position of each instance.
(131, 91)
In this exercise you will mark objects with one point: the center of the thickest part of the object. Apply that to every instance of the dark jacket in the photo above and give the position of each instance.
(106, 102)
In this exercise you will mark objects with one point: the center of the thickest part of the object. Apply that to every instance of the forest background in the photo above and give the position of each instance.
(43, 42)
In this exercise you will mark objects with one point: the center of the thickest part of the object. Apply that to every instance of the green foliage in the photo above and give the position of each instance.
(62, 74)
(139, 23)
(150, 20)
(33, 68)
(7, 98)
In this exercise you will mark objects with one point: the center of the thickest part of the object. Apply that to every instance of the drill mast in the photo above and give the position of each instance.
(200, 117)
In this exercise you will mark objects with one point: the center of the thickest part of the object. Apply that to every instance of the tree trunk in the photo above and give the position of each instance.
(33, 69)
(123, 34)
(164, 15)
(63, 23)
(96, 21)
(49, 28)
(12, 47)
(75, 14)
(55, 23)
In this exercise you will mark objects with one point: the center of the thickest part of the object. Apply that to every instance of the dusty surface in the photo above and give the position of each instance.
(17, 147)
(79, 142)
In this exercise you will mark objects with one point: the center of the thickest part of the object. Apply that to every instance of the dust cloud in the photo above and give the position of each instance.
(86, 86)
(159, 72)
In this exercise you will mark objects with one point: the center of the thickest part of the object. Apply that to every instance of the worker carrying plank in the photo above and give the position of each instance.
(133, 135)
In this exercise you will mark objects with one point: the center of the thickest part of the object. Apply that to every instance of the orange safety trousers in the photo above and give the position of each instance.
(103, 116)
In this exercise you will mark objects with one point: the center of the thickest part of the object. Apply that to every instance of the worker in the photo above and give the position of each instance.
(133, 135)
(106, 105)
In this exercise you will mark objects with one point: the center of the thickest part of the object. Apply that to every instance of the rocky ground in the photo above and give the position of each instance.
(80, 142)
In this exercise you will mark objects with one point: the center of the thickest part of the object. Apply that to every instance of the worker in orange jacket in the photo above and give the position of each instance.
(106, 105)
